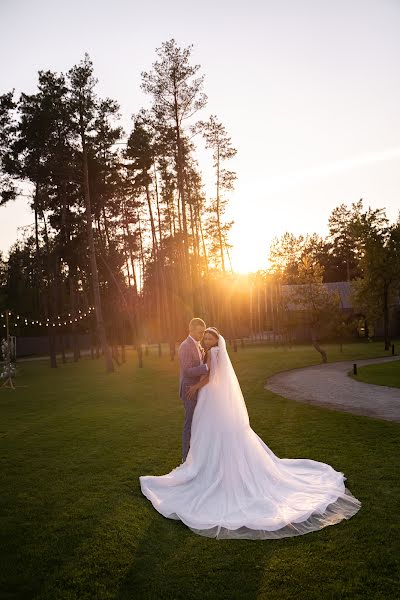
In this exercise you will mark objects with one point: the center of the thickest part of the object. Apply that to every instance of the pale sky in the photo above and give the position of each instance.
(309, 90)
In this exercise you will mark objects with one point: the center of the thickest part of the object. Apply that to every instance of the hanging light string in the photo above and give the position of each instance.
(59, 321)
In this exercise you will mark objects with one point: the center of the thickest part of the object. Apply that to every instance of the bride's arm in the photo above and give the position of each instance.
(192, 391)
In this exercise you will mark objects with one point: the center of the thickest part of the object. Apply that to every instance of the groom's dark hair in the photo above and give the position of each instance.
(196, 322)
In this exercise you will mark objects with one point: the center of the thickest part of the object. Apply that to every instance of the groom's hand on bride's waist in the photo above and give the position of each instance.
(192, 391)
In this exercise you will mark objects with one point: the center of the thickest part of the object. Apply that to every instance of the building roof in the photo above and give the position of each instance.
(343, 288)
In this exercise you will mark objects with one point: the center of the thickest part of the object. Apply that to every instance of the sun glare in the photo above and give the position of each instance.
(247, 257)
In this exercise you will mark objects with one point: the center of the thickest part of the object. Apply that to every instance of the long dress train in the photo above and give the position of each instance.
(233, 486)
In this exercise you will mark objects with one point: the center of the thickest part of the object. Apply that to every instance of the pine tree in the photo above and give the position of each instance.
(84, 104)
(219, 142)
(177, 96)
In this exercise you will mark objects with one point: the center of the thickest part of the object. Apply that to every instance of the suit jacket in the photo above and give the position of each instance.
(191, 366)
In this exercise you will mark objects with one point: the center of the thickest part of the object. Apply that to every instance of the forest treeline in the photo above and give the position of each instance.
(122, 222)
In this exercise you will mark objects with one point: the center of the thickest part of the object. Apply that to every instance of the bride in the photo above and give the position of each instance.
(231, 484)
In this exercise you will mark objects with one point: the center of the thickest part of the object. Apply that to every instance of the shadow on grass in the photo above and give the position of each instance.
(173, 562)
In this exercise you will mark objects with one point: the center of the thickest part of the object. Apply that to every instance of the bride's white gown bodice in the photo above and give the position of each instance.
(233, 486)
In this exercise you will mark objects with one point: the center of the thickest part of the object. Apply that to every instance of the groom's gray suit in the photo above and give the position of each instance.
(191, 369)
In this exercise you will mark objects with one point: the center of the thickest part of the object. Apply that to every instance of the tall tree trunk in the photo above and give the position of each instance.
(156, 263)
(210, 288)
(316, 345)
(72, 294)
(51, 299)
(187, 287)
(158, 205)
(171, 217)
(142, 261)
(129, 245)
(153, 228)
(229, 257)
(220, 240)
(37, 255)
(106, 228)
(180, 170)
(93, 262)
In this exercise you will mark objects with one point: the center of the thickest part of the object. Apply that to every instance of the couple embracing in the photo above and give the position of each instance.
(230, 484)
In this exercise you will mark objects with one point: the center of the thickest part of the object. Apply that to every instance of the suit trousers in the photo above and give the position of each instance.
(189, 405)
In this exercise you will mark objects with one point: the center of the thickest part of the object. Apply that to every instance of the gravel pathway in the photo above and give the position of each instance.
(329, 385)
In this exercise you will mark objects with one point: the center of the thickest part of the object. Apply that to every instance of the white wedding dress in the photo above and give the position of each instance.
(232, 485)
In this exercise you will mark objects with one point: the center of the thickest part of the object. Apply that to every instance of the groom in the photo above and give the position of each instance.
(191, 369)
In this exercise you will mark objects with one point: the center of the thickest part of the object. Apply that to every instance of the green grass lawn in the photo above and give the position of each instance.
(384, 374)
(75, 526)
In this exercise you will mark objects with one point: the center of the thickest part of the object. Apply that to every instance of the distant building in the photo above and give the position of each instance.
(343, 289)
